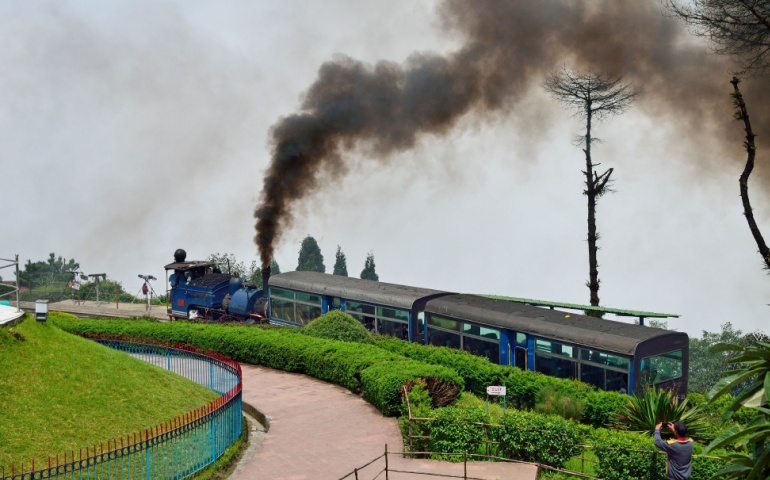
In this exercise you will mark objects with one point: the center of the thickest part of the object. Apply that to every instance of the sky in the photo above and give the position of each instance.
(131, 129)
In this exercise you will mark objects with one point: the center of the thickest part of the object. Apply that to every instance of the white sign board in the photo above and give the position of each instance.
(492, 390)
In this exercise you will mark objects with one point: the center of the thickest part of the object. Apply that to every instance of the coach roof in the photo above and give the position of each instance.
(368, 291)
(553, 324)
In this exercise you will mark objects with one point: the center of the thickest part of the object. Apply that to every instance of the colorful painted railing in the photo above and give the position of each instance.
(174, 449)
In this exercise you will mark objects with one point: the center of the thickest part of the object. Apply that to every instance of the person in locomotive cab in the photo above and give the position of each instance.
(678, 450)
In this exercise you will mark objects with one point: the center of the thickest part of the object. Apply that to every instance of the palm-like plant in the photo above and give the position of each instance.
(756, 370)
(642, 413)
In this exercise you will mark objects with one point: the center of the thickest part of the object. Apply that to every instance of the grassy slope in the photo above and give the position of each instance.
(60, 392)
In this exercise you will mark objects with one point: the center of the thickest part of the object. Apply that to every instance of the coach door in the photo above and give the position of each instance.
(517, 352)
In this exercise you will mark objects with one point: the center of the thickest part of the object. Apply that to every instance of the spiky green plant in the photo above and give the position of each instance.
(756, 436)
(642, 413)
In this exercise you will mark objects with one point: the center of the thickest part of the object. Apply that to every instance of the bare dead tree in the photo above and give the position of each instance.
(593, 97)
(751, 150)
(733, 27)
(740, 28)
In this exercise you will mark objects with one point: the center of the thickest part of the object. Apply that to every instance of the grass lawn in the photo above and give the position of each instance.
(59, 392)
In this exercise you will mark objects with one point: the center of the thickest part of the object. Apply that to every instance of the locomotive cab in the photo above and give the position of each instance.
(197, 289)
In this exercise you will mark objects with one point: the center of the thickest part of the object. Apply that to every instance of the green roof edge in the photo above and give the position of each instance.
(589, 308)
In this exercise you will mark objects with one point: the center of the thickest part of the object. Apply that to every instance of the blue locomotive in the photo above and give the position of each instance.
(198, 289)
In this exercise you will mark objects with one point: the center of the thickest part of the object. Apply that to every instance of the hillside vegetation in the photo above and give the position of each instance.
(61, 392)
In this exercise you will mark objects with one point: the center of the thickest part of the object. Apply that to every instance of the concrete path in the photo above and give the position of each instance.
(320, 431)
(91, 308)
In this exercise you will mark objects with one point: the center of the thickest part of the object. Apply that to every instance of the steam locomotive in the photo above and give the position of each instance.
(199, 289)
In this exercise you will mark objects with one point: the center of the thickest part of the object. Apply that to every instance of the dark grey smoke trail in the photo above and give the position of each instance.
(508, 49)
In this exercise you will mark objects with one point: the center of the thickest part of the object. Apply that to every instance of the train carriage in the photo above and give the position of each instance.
(608, 354)
(296, 298)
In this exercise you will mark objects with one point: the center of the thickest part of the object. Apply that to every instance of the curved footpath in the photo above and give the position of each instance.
(320, 431)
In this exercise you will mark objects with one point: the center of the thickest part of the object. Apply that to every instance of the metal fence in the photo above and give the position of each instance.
(387, 464)
(174, 449)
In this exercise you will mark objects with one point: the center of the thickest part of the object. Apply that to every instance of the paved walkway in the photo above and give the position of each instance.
(91, 308)
(320, 431)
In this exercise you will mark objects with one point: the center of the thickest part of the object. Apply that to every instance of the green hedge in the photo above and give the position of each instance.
(547, 439)
(522, 385)
(338, 362)
(338, 325)
(532, 437)
(382, 382)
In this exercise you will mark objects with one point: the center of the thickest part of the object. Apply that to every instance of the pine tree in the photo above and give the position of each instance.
(368, 273)
(310, 258)
(274, 268)
(340, 264)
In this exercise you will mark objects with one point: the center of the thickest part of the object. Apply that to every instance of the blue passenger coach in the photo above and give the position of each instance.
(296, 298)
(608, 354)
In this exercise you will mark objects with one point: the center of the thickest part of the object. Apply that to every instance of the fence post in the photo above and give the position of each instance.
(386, 461)
(583, 455)
(465, 465)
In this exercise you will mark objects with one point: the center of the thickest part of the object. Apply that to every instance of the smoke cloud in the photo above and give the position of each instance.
(508, 48)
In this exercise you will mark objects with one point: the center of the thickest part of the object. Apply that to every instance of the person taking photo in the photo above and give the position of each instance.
(678, 450)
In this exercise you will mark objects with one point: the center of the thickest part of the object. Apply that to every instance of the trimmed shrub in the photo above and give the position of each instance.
(599, 407)
(382, 383)
(338, 325)
(533, 437)
(458, 430)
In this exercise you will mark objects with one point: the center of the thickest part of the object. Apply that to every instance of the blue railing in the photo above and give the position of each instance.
(174, 449)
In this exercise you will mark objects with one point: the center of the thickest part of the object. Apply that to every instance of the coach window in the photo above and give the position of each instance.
(604, 370)
(294, 307)
(362, 312)
(307, 313)
(282, 304)
(393, 322)
(661, 368)
(555, 359)
(420, 328)
(482, 348)
(444, 332)
(616, 381)
(308, 298)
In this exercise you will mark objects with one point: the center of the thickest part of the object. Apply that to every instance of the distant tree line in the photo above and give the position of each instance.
(312, 260)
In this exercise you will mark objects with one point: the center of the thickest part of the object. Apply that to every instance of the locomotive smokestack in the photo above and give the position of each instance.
(265, 280)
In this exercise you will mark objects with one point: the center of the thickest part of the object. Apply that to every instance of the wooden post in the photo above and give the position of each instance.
(386, 461)
(465, 465)
(583, 455)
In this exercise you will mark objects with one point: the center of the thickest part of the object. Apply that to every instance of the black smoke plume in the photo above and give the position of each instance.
(508, 48)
